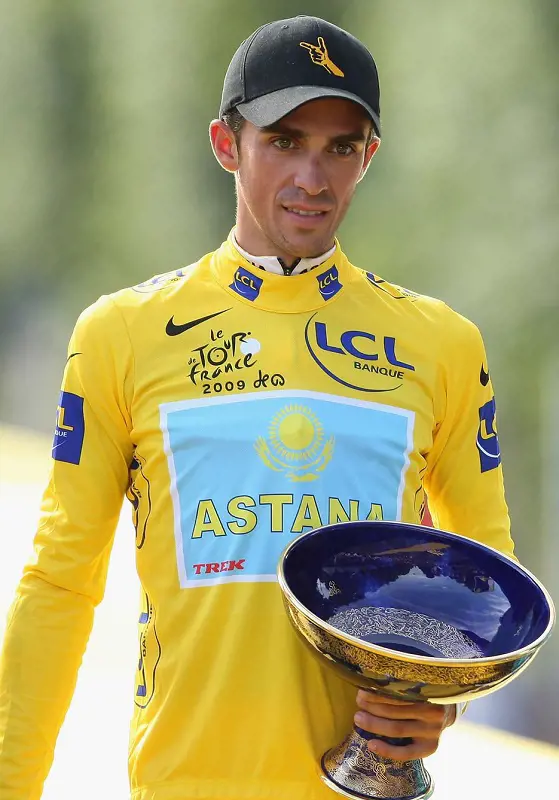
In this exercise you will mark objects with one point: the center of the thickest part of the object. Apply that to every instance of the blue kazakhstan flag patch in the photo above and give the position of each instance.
(288, 461)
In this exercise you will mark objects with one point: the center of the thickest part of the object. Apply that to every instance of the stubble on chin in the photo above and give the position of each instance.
(299, 249)
(304, 245)
(308, 247)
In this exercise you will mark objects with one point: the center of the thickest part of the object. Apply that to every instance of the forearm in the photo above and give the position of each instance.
(46, 634)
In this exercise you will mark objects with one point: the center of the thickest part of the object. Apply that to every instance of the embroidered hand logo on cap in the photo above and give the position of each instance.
(319, 55)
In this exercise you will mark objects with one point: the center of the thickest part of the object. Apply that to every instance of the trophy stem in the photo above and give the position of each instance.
(353, 771)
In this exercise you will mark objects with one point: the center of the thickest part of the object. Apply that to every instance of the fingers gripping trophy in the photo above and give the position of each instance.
(417, 614)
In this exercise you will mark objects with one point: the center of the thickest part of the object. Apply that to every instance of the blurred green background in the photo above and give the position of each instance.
(107, 178)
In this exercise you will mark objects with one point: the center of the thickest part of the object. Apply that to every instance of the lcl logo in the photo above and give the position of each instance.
(246, 284)
(351, 345)
(355, 358)
(329, 283)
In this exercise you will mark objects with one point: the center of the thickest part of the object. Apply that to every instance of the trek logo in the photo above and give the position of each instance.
(487, 441)
(329, 283)
(218, 566)
(246, 284)
(173, 329)
(356, 351)
(319, 55)
(70, 429)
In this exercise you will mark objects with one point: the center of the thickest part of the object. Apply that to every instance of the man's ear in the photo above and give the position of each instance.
(372, 148)
(224, 145)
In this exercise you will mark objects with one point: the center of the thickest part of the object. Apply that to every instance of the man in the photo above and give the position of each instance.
(265, 390)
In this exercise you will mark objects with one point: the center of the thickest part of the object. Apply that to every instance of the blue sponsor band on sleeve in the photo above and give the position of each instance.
(487, 441)
(70, 429)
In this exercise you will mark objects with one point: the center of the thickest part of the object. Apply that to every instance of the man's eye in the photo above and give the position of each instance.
(342, 149)
(283, 143)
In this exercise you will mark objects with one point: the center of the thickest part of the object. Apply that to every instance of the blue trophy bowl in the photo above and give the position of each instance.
(415, 613)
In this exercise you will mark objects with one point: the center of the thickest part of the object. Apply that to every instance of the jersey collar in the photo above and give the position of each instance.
(273, 263)
(291, 294)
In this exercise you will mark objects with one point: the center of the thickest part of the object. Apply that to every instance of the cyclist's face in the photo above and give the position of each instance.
(295, 179)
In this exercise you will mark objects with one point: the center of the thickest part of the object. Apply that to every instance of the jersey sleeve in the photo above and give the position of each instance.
(464, 479)
(50, 619)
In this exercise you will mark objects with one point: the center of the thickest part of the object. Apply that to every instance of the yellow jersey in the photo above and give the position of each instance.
(236, 409)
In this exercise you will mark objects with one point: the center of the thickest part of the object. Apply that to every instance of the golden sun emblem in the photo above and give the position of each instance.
(296, 444)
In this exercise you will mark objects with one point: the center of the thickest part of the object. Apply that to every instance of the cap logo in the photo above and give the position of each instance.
(319, 55)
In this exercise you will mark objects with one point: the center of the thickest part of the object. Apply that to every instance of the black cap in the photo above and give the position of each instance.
(291, 61)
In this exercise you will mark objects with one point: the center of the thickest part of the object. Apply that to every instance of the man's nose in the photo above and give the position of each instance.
(311, 177)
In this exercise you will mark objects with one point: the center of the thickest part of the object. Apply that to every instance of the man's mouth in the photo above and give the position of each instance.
(305, 212)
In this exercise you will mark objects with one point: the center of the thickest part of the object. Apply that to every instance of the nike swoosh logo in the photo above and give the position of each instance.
(483, 377)
(174, 330)
(72, 356)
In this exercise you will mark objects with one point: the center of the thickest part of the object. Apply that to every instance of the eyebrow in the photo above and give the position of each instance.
(278, 128)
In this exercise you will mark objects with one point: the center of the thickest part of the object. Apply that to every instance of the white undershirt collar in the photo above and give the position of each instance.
(273, 264)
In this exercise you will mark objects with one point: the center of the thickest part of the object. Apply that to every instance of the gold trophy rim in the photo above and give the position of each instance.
(397, 654)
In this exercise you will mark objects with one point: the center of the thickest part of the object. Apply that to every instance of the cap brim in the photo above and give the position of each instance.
(270, 108)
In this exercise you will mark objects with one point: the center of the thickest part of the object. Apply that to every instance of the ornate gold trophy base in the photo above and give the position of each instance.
(353, 771)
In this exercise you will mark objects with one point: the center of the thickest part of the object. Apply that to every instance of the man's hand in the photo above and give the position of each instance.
(422, 722)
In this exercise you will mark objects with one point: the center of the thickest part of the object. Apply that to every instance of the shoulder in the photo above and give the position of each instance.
(436, 314)
(121, 307)
(160, 287)
(165, 281)
(393, 292)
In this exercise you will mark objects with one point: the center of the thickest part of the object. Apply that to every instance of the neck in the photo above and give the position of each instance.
(253, 240)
